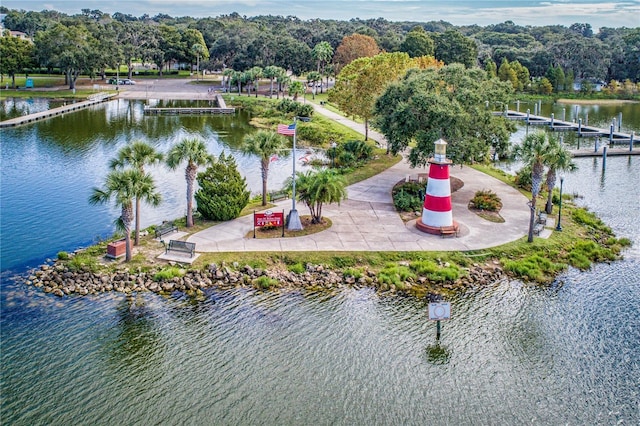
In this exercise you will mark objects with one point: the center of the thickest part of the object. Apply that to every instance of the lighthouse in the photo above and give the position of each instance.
(436, 211)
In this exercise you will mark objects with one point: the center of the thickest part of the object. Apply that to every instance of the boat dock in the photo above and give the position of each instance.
(614, 137)
(93, 99)
(220, 109)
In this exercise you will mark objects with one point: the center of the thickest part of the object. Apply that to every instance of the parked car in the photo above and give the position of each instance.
(128, 81)
(114, 80)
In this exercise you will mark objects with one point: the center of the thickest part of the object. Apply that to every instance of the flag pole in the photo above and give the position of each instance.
(294, 218)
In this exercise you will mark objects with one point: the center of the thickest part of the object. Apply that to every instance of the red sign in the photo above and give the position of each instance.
(268, 218)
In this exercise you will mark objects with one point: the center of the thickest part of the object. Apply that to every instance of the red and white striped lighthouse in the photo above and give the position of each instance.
(436, 212)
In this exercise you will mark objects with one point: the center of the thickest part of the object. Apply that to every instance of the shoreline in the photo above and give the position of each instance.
(596, 101)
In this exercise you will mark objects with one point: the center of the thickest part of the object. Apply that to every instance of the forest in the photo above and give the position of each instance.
(92, 42)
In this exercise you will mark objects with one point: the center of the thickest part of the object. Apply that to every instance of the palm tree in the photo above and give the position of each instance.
(194, 152)
(282, 79)
(256, 75)
(264, 144)
(319, 187)
(322, 53)
(295, 89)
(199, 50)
(136, 155)
(271, 72)
(123, 187)
(312, 78)
(533, 152)
(558, 159)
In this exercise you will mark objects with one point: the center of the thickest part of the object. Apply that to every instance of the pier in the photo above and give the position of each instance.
(220, 109)
(93, 99)
(611, 135)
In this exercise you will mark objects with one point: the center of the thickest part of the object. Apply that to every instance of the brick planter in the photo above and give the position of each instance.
(116, 249)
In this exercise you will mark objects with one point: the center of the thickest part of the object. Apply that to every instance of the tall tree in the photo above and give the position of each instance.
(264, 144)
(533, 152)
(353, 47)
(16, 55)
(361, 82)
(123, 187)
(447, 103)
(453, 47)
(271, 72)
(417, 43)
(137, 155)
(194, 152)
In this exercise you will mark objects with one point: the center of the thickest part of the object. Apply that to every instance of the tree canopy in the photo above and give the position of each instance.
(448, 103)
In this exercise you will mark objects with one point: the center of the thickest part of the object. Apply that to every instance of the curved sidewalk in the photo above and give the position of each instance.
(367, 221)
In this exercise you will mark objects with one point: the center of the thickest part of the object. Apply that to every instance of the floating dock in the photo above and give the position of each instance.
(220, 109)
(37, 116)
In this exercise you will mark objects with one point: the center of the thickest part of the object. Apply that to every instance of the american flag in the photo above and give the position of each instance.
(287, 130)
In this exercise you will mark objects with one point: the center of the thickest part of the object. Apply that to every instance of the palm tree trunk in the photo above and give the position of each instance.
(532, 219)
(190, 175)
(137, 236)
(265, 175)
(126, 216)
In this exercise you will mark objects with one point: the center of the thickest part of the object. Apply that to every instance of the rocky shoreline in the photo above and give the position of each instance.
(59, 280)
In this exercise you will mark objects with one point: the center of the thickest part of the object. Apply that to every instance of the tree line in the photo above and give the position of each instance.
(93, 41)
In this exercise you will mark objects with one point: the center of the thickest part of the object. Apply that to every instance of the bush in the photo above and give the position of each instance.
(351, 272)
(83, 262)
(63, 255)
(168, 274)
(296, 268)
(289, 106)
(435, 273)
(486, 200)
(223, 191)
(407, 197)
(265, 282)
(396, 275)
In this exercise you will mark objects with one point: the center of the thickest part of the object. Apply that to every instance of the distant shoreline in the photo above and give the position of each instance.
(596, 101)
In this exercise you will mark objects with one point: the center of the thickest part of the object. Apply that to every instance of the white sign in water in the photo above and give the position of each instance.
(439, 311)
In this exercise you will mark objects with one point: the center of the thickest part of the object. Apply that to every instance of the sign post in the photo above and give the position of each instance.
(439, 311)
(268, 218)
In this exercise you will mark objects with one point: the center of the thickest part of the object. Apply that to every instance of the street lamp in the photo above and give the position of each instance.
(559, 227)
(333, 154)
(294, 219)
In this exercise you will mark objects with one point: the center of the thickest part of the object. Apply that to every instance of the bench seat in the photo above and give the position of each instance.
(181, 246)
(165, 228)
(449, 231)
(537, 229)
(278, 195)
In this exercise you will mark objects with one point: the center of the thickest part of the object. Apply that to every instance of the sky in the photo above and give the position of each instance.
(598, 13)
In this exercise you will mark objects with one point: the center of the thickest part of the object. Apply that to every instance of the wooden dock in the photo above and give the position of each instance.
(220, 109)
(567, 126)
(93, 99)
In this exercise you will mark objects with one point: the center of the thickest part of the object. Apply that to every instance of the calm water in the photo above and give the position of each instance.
(49, 168)
(568, 353)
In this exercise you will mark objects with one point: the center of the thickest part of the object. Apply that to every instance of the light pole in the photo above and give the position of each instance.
(333, 154)
(559, 227)
(294, 218)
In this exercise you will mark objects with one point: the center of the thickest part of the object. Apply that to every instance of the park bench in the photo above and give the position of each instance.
(537, 228)
(165, 228)
(449, 231)
(181, 246)
(278, 195)
(542, 218)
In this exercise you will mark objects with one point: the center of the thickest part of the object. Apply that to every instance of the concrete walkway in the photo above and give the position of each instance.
(367, 221)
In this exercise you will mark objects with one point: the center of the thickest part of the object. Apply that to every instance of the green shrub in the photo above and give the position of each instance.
(63, 255)
(533, 267)
(168, 274)
(395, 275)
(265, 282)
(223, 191)
(297, 268)
(579, 260)
(486, 200)
(590, 220)
(351, 272)
(83, 262)
(343, 261)
(407, 197)
(435, 273)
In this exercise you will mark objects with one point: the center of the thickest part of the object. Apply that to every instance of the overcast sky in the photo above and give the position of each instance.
(598, 13)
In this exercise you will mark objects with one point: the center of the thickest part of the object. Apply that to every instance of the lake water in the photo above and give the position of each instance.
(568, 353)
